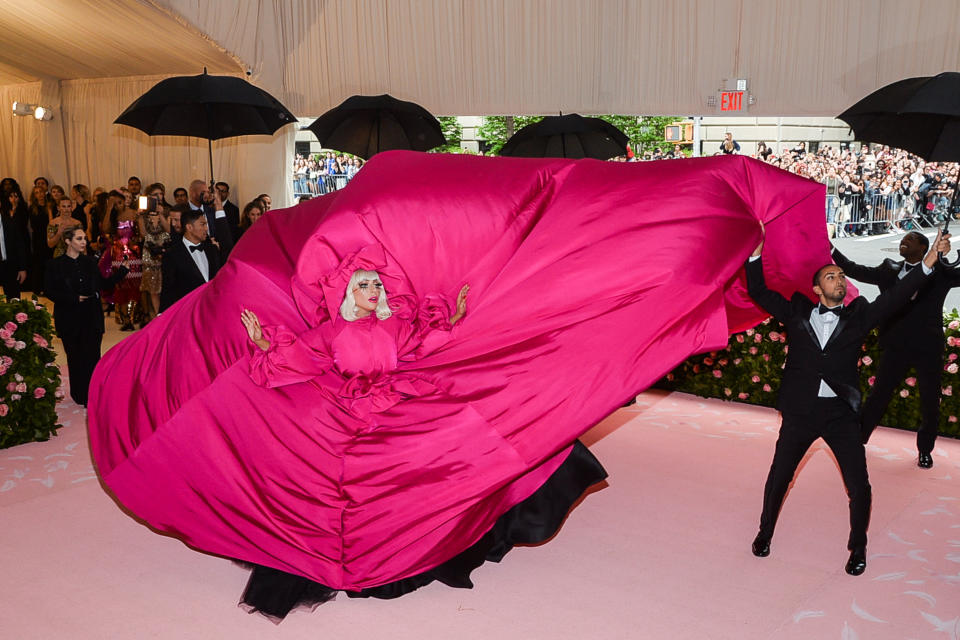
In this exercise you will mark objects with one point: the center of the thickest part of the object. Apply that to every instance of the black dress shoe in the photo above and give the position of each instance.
(857, 563)
(925, 461)
(761, 546)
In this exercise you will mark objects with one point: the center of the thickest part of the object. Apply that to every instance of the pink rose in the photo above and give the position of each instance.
(18, 377)
(743, 396)
(740, 338)
(11, 386)
(766, 357)
(40, 340)
(755, 379)
(948, 390)
(717, 373)
(3, 369)
(723, 362)
(21, 387)
(696, 368)
(904, 393)
(669, 376)
(950, 419)
(4, 409)
(952, 357)
(871, 380)
(774, 336)
(758, 338)
(708, 362)
(737, 360)
(727, 392)
(954, 324)
(952, 367)
(9, 326)
(766, 387)
(867, 360)
(5, 334)
(951, 341)
(21, 317)
(14, 396)
(753, 351)
(750, 332)
(911, 381)
(39, 392)
(19, 345)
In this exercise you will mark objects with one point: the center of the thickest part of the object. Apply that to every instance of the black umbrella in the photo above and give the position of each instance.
(569, 136)
(205, 106)
(365, 125)
(920, 115)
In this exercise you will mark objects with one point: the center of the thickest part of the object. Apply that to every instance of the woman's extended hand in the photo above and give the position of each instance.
(252, 325)
(461, 305)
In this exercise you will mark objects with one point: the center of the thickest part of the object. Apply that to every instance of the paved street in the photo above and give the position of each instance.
(873, 250)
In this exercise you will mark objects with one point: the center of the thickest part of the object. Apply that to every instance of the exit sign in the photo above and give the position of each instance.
(732, 101)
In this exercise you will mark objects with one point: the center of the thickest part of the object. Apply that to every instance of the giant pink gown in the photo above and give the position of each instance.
(589, 281)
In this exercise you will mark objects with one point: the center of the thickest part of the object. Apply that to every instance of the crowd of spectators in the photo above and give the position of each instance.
(322, 173)
(129, 225)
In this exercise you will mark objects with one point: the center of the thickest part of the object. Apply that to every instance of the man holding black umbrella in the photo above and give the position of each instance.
(204, 199)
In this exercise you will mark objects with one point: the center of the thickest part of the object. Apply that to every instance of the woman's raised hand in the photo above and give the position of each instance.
(254, 331)
(461, 304)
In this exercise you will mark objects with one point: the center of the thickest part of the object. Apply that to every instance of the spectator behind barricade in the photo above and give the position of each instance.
(232, 211)
(180, 196)
(729, 145)
(304, 198)
(252, 212)
(763, 151)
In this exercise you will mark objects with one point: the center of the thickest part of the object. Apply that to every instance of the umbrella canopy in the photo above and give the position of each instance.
(920, 115)
(366, 125)
(205, 106)
(569, 136)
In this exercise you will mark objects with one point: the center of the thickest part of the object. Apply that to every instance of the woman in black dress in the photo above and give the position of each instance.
(73, 282)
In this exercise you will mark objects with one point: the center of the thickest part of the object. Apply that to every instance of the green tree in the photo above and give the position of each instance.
(495, 129)
(453, 132)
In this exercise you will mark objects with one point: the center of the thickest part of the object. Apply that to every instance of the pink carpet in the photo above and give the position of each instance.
(662, 552)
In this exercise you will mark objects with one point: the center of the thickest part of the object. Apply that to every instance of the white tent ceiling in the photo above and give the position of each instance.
(89, 58)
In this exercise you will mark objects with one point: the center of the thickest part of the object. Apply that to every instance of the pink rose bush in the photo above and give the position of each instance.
(29, 374)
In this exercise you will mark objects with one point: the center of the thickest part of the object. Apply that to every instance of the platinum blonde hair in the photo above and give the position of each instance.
(348, 308)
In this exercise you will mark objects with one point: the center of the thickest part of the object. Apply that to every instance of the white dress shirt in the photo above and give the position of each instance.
(200, 258)
(3, 244)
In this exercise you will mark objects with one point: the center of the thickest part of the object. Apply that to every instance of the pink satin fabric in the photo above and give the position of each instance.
(358, 455)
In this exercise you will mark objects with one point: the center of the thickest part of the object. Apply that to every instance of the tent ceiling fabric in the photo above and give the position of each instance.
(814, 57)
(69, 39)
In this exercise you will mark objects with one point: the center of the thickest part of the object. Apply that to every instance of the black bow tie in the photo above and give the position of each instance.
(822, 309)
(911, 266)
(196, 247)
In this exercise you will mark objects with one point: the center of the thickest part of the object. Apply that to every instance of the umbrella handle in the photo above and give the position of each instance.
(946, 230)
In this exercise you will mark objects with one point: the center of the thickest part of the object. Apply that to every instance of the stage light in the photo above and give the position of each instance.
(42, 113)
(23, 109)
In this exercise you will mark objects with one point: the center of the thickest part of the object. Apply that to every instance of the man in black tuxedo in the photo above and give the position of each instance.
(208, 201)
(13, 258)
(190, 261)
(232, 210)
(820, 390)
(912, 337)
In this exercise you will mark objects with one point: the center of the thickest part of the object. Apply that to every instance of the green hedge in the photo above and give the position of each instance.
(29, 375)
(748, 370)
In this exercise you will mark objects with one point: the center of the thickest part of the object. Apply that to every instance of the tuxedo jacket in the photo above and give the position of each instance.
(919, 323)
(233, 218)
(180, 274)
(836, 363)
(219, 229)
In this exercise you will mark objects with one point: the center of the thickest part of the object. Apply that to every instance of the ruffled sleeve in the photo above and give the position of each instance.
(290, 358)
(426, 326)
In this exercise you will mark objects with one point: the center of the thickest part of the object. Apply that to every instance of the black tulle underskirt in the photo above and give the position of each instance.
(275, 593)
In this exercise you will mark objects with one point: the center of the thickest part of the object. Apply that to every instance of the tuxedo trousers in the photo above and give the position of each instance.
(8, 280)
(82, 349)
(894, 364)
(833, 420)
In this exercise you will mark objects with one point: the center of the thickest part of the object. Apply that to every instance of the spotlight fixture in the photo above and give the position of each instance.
(23, 109)
(43, 113)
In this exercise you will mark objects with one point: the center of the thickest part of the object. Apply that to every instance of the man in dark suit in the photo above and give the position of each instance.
(820, 390)
(232, 210)
(912, 337)
(190, 261)
(208, 201)
(13, 258)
